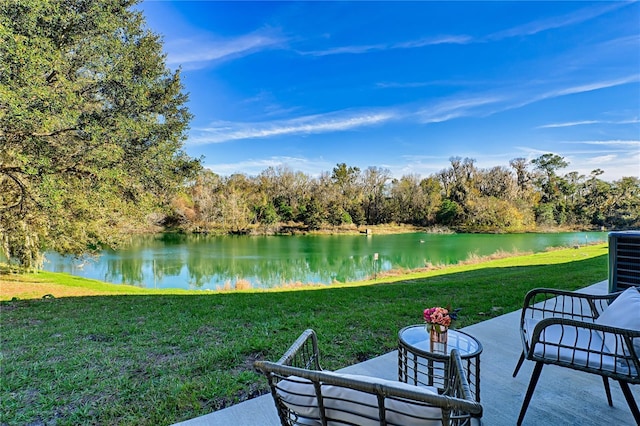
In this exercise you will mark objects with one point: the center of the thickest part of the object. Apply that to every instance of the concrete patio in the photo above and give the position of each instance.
(562, 396)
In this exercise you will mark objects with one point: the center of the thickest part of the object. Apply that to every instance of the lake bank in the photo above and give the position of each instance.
(381, 229)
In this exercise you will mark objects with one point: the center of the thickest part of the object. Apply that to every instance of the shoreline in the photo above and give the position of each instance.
(292, 228)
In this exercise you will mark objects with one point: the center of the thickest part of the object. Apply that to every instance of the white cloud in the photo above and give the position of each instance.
(615, 142)
(601, 159)
(412, 44)
(345, 50)
(523, 30)
(324, 123)
(508, 98)
(569, 124)
(514, 98)
(587, 122)
(449, 39)
(197, 52)
(415, 84)
(597, 85)
(536, 27)
(474, 105)
(523, 98)
(455, 108)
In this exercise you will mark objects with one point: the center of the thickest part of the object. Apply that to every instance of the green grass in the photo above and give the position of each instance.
(149, 359)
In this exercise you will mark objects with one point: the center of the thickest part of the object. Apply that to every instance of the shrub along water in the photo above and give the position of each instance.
(159, 358)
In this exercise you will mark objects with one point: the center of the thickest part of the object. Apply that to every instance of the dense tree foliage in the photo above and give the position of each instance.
(528, 196)
(91, 126)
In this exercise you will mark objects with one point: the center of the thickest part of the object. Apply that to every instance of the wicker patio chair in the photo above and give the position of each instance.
(304, 394)
(561, 328)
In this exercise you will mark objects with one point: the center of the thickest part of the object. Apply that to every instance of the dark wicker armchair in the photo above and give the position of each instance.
(561, 328)
(304, 394)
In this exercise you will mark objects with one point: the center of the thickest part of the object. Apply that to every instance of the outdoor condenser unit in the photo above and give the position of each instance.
(624, 260)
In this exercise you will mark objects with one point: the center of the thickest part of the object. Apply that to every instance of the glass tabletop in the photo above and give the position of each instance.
(417, 338)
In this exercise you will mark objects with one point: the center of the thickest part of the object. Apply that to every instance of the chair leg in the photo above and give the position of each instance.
(607, 389)
(520, 361)
(630, 400)
(532, 385)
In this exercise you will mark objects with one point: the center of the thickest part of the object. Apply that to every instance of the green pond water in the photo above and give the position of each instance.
(218, 262)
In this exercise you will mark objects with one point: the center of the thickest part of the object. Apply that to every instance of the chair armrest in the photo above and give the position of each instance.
(458, 384)
(542, 303)
(303, 353)
(586, 346)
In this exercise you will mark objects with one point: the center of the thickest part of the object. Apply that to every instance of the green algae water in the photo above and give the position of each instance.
(230, 262)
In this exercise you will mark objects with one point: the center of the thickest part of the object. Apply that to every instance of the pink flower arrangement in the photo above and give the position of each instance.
(440, 318)
(437, 316)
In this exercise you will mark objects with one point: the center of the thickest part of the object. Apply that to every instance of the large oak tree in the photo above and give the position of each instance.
(92, 124)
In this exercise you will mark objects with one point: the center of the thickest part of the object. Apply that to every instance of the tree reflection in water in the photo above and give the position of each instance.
(219, 262)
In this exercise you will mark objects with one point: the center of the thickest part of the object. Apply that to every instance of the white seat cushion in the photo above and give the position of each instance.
(355, 407)
(624, 312)
(573, 345)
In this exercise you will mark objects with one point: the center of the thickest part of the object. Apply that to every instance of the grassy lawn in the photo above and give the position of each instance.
(131, 356)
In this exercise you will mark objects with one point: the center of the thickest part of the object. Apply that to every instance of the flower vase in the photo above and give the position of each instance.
(438, 338)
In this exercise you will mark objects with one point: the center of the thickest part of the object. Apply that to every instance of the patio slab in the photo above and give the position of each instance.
(562, 396)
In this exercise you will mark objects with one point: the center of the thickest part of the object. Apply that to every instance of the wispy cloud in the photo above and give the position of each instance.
(267, 103)
(416, 84)
(590, 87)
(523, 30)
(587, 122)
(509, 97)
(411, 44)
(345, 50)
(199, 51)
(569, 124)
(469, 105)
(342, 121)
(613, 143)
(455, 108)
(536, 27)
(600, 160)
(449, 39)
(518, 98)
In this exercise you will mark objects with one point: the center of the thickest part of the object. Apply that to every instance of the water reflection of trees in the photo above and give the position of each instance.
(179, 261)
(266, 273)
(212, 262)
(126, 271)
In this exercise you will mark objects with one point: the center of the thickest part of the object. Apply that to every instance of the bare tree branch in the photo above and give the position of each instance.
(23, 191)
(55, 132)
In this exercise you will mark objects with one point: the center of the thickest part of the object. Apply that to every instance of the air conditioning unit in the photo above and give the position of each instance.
(624, 260)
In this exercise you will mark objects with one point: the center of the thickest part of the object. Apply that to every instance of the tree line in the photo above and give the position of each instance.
(526, 196)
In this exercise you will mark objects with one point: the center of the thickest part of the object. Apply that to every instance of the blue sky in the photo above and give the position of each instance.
(406, 85)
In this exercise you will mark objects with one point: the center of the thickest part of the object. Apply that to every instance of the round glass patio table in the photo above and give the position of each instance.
(418, 364)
